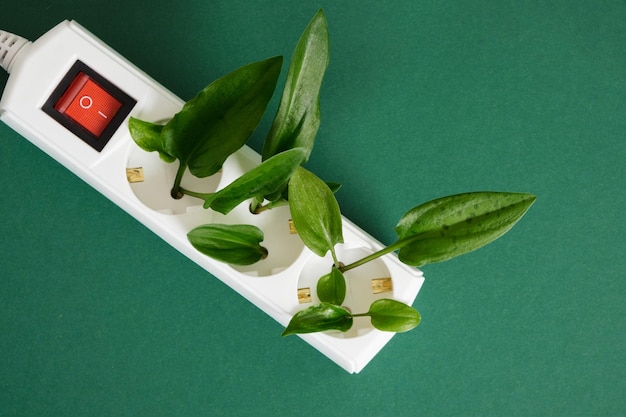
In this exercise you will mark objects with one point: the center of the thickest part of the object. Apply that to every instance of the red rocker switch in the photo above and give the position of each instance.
(88, 104)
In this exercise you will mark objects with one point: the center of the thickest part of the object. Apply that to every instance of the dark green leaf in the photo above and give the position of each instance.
(451, 226)
(298, 117)
(221, 118)
(279, 194)
(237, 244)
(334, 186)
(331, 288)
(393, 316)
(315, 212)
(259, 181)
(318, 318)
(147, 136)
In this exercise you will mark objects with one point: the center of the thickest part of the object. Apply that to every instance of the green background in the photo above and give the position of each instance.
(99, 317)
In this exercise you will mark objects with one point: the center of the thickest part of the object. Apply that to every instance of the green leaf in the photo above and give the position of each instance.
(318, 318)
(315, 212)
(298, 117)
(331, 288)
(334, 186)
(393, 316)
(236, 244)
(259, 181)
(280, 197)
(147, 136)
(220, 119)
(451, 226)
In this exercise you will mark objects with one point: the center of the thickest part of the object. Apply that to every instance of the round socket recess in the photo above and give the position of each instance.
(364, 285)
(151, 179)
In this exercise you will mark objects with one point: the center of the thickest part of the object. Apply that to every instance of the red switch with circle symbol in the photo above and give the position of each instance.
(88, 104)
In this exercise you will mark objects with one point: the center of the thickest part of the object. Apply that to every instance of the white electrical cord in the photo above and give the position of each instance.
(10, 45)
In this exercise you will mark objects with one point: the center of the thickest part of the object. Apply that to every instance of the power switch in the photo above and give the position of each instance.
(89, 105)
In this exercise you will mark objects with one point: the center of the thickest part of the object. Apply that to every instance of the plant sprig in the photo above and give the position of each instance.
(215, 123)
(385, 315)
(221, 118)
(315, 213)
(435, 231)
(265, 178)
(298, 117)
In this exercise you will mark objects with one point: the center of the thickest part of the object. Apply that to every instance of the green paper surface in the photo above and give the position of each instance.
(99, 317)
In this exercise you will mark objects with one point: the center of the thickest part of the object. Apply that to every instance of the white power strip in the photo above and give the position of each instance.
(71, 95)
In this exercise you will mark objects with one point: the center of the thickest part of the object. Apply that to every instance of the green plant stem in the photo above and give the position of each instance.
(398, 245)
(334, 255)
(177, 192)
(269, 206)
(256, 206)
(369, 258)
(202, 196)
(260, 209)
